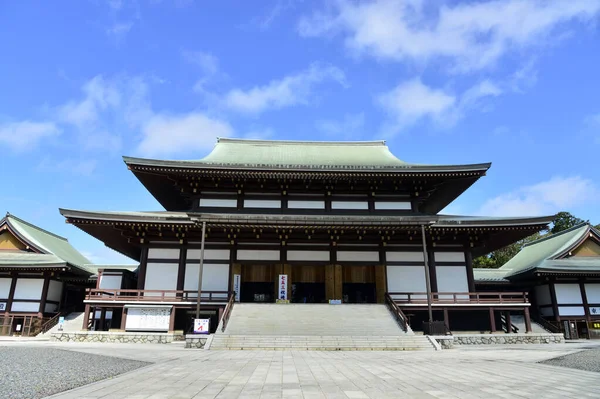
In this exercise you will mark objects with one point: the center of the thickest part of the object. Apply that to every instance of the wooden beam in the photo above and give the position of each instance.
(446, 318)
(172, 320)
(11, 294)
(554, 300)
(124, 319)
(492, 320)
(86, 318)
(586, 307)
(44, 294)
(470, 275)
(182, 267)
(142, 269)
(527, 320)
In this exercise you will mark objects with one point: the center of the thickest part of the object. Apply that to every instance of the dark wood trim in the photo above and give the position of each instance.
(44, 294)
(446, 318)
(432, 268)
(492, 320)
(554, 300)
(142, 269)
(181, 269)
(123, 318)
(11, 294)
(586, 307)
(86, 317)
(470, 274)
(98, 280)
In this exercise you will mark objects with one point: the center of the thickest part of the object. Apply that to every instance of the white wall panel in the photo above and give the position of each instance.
(357, 256)
(568, 293)
(29, 288)
(308, 255)
(452, 279)
(399, 205)
(296, 204)
(571, 311)
(110, 282)
(257, 254)
(55, 291)
(262, 203)
(542, 295)
(161, 276)
(51, 308)
(592, 291)
(163, 253)
(406, 279)
(362, 205)
(212, 254)
(25, 306)
(5, 283)
(214, 278)
(449, 257)
(218, 203)
(404, 257)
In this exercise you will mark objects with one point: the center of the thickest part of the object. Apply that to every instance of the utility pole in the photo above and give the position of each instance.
(200, 270)
(427, 277)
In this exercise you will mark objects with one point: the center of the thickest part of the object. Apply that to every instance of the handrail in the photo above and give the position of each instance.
(227, 311)
(546, 324)
(50, 323)
(100, 294)
(460, 297)
(513, 328)
(395, 309)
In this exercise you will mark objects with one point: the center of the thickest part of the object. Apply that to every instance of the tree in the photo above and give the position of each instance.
(597, 227)
(564, 221)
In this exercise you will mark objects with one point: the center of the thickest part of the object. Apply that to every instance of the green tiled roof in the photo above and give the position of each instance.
(22, 258)
(46, 242)
(310, 155)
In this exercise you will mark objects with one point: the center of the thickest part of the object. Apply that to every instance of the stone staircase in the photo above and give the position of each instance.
(315, 327)
(519, 322)
(73, 323)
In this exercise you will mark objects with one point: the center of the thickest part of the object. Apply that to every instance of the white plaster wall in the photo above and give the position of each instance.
(400, 205)
(362, 205)
(542, 295)
(5, 287)
(406, 279)
(592, 291)
(51, 308)
(110, 282)
(163, 253)
(296, 204)
(212, 254)
(571, 311)
(404, 257)
(25, 306)
(449, 256)
(262, 203)
(161, 276)
(257, 254)
(29, 288)
(452, 279)
(357, 256)
(308, 255)
(214, 278)
(568, 294)
(218, 203)
(55, 290)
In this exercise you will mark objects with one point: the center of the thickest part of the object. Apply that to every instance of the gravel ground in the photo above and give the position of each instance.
(588, 359)
(31, 373)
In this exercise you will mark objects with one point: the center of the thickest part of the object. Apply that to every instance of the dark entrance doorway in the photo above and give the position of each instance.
(308, 284)
(358, 284)
(258, 284)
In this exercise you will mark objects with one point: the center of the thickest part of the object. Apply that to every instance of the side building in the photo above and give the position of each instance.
(305, 222)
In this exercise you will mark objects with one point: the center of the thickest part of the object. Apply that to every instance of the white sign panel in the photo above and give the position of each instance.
(201, 326)
(237, 282)
(2, 305)
(595, 311)
(148, 319)
(282, 286)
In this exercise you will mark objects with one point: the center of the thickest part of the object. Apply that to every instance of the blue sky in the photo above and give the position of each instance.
(85, 82)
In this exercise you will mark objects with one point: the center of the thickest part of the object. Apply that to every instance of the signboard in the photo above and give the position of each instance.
(335, 301)
(2, 306)
(595, 311)
(61, 322)
(148, 318)
(237, 283)
(282, 301)
(201, 326)
(595, 325)
(18, 327)
(283, 280)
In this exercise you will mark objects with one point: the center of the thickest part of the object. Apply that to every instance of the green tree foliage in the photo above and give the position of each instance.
(564, 221)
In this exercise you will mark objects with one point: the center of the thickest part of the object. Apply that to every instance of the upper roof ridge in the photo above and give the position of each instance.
(551, 236)
(301, 142)
(11, 216)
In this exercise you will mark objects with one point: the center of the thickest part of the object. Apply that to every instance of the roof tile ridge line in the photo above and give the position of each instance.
(549, 235)
(381, 143)
(39, 228)
(580, 240)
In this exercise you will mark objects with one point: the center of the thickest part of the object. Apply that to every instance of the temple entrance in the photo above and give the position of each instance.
(258, 284)
(358, 284)
(308, 284)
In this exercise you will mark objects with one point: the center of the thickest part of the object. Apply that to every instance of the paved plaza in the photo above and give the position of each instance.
(474, 372)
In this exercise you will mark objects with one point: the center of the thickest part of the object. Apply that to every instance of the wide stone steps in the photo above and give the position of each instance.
(311, 342)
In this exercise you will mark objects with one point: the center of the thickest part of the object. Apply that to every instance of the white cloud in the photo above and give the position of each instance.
(471, 35)
(296, 89)
(167, 134)
(118, 30)
(99, 95)
(24, 135)
(350, 127)
(206, 61)
(545, 198)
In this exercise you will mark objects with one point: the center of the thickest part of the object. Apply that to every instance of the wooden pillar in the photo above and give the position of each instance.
(329, 282)
(338, 281)
(44, 295)
(586, 307)
(181, 268)
(508, 322)
(554, 301)
(123, 318)
(470, 276)
(446, 318)
(102, 318)
(142, 269)
(380, 283)
(86, 318)
(11, 294)
(432, 271)
(492, 320)
(527, 320)
(172, 320)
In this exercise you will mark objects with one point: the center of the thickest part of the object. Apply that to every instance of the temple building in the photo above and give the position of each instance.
(300, 222)
(41, 275)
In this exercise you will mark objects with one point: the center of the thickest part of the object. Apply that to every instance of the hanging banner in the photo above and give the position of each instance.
(282, 286)
(201, 326)
(237, 282)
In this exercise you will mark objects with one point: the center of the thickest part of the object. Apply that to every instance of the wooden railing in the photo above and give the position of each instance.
(552, 327)
(513, 329)
(227, 311)
(108, 295)
(50, 323)
(397, 312)
(460, 298)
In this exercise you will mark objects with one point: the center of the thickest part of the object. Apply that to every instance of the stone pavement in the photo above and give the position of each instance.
(474, 372)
